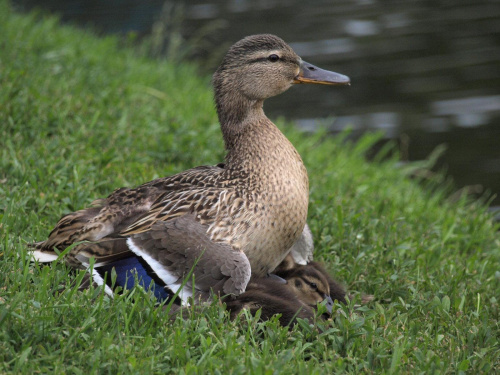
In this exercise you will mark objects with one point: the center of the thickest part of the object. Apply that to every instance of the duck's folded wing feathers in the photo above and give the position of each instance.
(175, 247)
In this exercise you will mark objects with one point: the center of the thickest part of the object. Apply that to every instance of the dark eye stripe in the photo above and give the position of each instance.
(260, 59)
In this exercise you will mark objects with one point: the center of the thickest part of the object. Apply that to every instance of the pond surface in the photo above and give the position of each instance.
(424, 72)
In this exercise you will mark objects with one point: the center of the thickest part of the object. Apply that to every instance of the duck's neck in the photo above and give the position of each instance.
(254, 144)
(236, 113)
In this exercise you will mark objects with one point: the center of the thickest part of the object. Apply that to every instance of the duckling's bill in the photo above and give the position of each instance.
(328, 302)
(312, 74)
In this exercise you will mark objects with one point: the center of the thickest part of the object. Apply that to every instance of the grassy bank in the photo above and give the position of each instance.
(80, 116)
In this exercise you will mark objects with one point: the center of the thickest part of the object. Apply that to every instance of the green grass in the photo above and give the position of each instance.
(81, 116)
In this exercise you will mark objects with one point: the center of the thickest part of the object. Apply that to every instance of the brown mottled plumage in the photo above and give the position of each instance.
(255, 206)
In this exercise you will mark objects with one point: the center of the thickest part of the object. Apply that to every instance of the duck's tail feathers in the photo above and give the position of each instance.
(80, 255)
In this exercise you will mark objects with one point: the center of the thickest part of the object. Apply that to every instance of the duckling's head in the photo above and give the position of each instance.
(310, 285)
(258, 67)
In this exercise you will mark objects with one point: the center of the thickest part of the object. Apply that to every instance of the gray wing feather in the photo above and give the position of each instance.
(182, 243)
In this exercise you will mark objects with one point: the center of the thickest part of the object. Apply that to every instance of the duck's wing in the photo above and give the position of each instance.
(179, 246)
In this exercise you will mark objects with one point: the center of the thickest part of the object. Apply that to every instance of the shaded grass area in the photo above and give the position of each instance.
(80, 116)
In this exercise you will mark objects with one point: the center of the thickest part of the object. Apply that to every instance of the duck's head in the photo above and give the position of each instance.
(310, 286)
(261, 66)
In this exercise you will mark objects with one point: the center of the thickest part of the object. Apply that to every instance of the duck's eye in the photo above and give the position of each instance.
(313, 285)
(273, 58)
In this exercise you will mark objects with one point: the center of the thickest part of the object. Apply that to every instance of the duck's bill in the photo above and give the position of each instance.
(312, 74)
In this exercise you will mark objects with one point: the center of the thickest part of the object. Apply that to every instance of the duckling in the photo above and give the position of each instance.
(271, 297)
(290, 267)
(337, 290)
(224, 223)
(310, 283)
(297, 295)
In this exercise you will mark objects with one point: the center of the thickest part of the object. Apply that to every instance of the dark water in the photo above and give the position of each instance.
(424, 72)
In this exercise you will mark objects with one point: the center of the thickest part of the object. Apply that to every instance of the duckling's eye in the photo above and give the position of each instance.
(273, 58)
(313, 285)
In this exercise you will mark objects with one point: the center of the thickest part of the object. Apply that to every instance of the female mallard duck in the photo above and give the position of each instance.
(224, 222)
